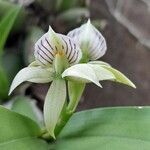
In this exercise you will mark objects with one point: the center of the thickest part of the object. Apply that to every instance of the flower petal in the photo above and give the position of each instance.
(32, 74)
(82, 73)
(54, 103)
(90, 40)
(99, 63)
(52, 43)
(102, 73)
(120, 77)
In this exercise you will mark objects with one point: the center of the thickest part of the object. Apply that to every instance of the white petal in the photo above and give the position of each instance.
(32, 74)
(82, 73)
(102, 73)
(54, 103)
(90, 39)
(102, 63)
(120, 77)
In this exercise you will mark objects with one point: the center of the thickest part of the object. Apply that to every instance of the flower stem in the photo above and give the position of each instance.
(65, 116)
(75, 91)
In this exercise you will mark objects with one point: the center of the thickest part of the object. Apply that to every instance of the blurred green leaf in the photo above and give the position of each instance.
(4, 7)
(19, 132)
(4, 84)
(62, 5)
(122, 128)
(6, 24)
(54, 102)
(24, 106)
(74, 14)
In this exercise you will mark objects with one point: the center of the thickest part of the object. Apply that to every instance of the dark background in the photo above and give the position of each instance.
(126, 54)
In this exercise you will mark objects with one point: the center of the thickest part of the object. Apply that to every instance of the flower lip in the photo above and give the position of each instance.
(52, 43)
(90, 40)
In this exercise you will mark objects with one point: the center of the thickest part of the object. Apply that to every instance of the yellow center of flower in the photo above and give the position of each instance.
(60, 53)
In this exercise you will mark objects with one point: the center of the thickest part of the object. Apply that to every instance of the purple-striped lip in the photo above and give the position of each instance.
(46, 49)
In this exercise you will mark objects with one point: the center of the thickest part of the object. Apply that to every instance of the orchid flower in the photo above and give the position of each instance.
(68, 60)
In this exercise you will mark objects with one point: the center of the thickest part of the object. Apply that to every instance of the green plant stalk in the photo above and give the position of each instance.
(75, 91)
(65, 116)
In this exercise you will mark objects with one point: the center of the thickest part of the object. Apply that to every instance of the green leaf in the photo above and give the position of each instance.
(121, 78)
(82, 73)
(122, 128)
(5, 6)
(6, 24)
(19, 132)
(25, 144)
(32, 74)
(54, 103)
(102, 73)
(14, 126)
(23, 105)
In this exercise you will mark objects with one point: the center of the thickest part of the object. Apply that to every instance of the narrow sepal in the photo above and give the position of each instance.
(54, 103)
(120, 77)
(32, 74)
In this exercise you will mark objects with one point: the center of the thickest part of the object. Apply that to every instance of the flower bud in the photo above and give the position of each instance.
(52, 44)
(91, 41)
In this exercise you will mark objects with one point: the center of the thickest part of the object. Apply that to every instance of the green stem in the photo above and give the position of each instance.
(75, 91)
(63, 121)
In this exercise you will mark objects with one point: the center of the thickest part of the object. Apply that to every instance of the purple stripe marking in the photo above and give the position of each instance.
(45, 54)
(66, 45)
(49, 44)
(47, 48)
(75, 57)
(70, 50)
(39, 59)
(72, 56)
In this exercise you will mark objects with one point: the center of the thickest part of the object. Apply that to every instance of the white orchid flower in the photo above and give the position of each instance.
(49, 50)
(91, 41)
(53, 54)
(57, 60)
